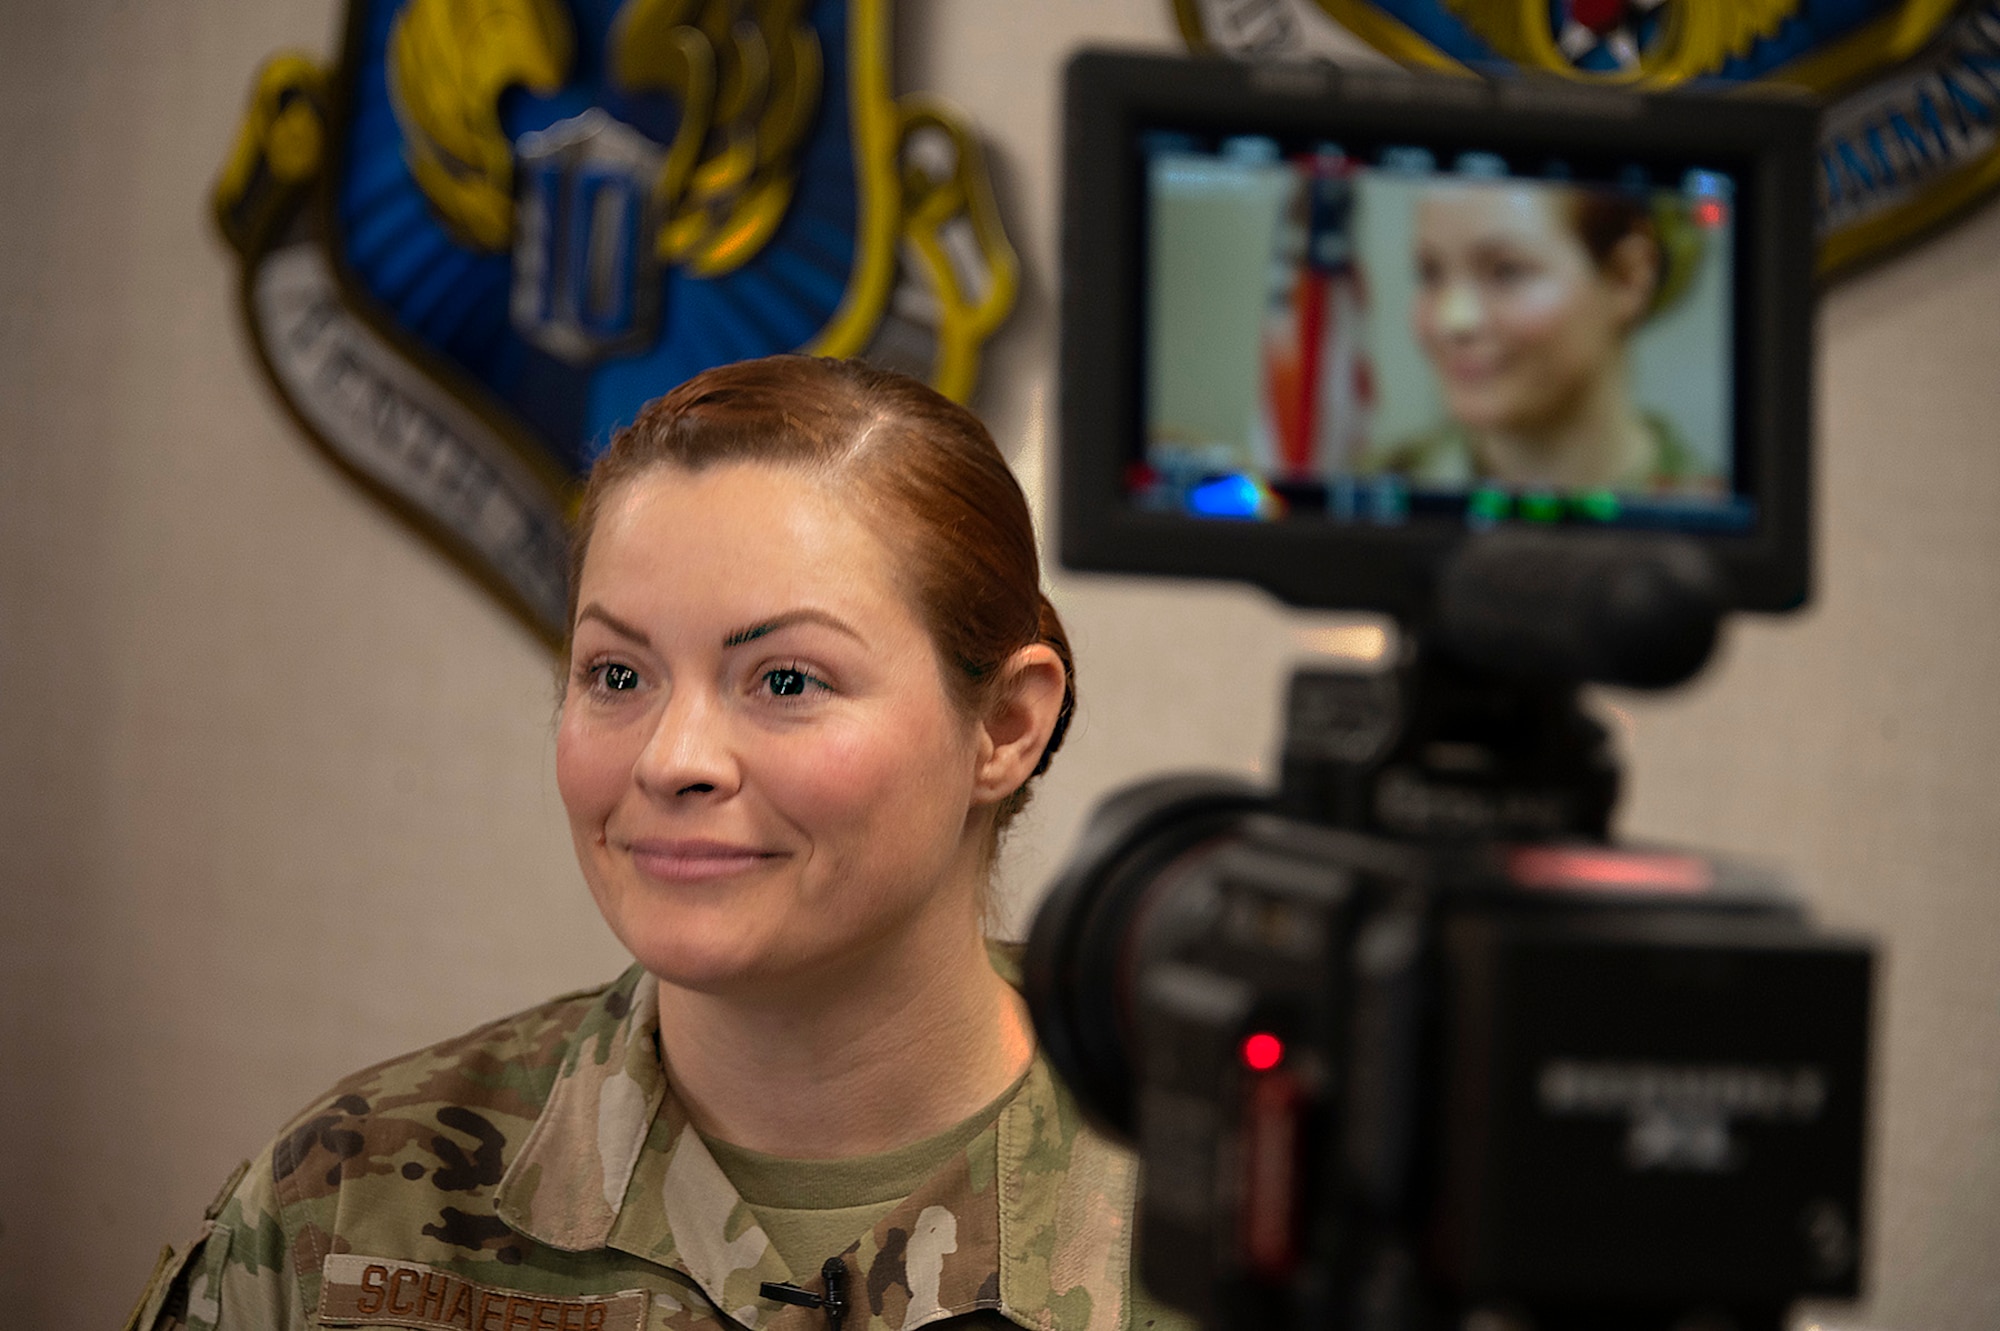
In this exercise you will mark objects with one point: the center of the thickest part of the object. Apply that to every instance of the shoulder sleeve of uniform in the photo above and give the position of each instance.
(1676, 466)
(237, 1274)
(255, 1263)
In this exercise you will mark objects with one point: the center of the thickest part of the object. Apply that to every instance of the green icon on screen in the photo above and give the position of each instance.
(1597, 505)
(1542, 507)
(1486, 506)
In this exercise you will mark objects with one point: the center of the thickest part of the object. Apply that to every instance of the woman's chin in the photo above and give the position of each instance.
(1487, 413)
(689, 960)
(1478, 416)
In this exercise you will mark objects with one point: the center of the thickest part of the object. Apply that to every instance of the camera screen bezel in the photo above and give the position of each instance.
(1112, 98)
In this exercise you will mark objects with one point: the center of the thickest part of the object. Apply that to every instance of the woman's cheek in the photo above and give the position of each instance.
(1538, 312)
(589, 772)
(830, 777)
(879, 787)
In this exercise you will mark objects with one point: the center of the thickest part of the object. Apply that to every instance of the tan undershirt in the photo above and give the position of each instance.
(815, 1209)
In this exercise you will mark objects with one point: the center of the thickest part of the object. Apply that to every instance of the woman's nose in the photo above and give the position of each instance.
(688, 752)
(1458, 309)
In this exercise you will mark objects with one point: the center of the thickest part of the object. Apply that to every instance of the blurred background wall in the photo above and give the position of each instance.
(276, 793)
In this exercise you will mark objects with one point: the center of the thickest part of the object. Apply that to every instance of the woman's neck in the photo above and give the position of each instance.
(893, 1047)
(1599, 442)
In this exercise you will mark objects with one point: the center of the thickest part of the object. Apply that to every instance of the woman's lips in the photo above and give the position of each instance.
(1470, 369)
(682, 861)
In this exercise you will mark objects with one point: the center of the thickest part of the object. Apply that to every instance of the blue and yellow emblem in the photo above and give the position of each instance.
(1913, 86)
(488, 234)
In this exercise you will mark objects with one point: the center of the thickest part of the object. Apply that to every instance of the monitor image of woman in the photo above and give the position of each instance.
(1527, 296)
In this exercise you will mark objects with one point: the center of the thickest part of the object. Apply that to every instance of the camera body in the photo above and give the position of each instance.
(1388, 1084)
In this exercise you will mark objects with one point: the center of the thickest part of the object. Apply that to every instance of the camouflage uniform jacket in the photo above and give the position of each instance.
(538, 1174)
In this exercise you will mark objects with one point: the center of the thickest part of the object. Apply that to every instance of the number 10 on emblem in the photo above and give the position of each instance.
(586, 275)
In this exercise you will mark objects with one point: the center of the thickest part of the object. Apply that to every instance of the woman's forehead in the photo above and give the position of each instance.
(735, 535)
(1477, 211)
(664, 500)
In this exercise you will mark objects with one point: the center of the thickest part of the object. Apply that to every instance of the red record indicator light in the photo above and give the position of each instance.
(1263, 1051)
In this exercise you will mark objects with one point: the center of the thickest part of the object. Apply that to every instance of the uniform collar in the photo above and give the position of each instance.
(1031, 1220)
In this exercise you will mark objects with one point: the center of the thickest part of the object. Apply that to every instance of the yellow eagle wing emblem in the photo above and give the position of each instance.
(746, 76)
(449, 61)
(1697, 38)
(1703, 35)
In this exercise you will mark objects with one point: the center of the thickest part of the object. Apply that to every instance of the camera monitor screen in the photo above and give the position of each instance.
(1373, 328)
(1368, 335)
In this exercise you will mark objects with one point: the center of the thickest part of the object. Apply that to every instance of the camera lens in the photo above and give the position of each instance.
(1109, 914)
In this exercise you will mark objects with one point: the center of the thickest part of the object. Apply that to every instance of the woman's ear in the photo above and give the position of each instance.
(1017, 726)
(1633, 269)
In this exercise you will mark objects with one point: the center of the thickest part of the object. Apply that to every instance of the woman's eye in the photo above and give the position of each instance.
(787, 682)
(615, 678)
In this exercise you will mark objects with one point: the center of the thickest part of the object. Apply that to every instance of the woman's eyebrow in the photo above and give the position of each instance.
(790, 617)
(617, 625)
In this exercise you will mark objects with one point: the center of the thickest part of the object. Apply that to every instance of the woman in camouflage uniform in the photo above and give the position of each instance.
(1527, 294)
(810, 678)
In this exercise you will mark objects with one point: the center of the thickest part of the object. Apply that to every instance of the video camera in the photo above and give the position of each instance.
(1410, 1042)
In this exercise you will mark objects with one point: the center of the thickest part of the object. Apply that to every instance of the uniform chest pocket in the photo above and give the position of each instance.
(367, 1293)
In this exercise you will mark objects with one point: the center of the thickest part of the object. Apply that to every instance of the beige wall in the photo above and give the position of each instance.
(275, 790)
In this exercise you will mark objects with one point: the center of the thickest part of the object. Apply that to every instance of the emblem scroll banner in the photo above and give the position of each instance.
(392, 423)
(487, 234)
(1913, 86)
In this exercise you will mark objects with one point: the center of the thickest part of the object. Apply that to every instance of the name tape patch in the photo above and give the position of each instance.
(380, 1291)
